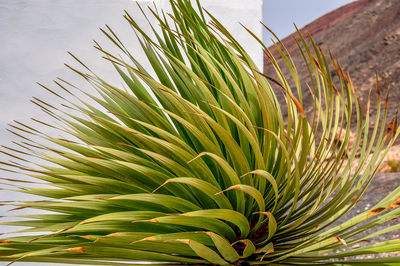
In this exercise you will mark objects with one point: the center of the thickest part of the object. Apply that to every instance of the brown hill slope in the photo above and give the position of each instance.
(365, 36)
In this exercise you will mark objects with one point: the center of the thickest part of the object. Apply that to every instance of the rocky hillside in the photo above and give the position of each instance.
(365, 36)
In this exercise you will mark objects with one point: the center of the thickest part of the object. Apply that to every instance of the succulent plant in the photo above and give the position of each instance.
(197, 164)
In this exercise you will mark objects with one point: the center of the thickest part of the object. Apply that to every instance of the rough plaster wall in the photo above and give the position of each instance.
(35, 35)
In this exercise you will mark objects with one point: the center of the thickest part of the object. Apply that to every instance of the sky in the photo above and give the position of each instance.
(280, 15)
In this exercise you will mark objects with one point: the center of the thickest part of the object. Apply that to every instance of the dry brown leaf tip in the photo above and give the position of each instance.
(77, 249)
(375, 211)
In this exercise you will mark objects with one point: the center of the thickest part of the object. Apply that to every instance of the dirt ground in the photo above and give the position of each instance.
(382, 184)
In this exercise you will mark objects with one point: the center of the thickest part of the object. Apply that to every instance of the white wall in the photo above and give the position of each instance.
(35, 35)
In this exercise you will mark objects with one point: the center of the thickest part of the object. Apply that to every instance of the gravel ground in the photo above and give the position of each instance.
(381, 185)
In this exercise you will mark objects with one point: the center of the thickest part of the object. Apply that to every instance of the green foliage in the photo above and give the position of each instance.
(198, 164)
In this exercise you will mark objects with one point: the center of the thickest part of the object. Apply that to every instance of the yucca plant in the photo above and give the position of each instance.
(197, 165)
